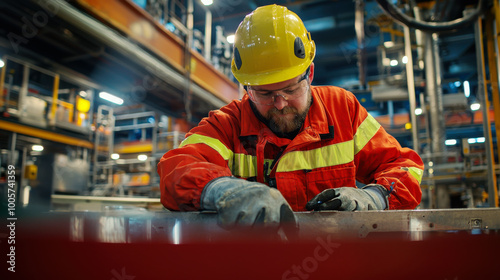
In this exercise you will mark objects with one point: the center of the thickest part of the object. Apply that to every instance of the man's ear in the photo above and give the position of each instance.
(311, 73)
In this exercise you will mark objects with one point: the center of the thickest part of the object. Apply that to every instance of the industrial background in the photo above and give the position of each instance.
(94, 92)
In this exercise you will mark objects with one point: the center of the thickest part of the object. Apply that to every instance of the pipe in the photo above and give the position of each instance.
(187, 60)
(435, 98)
(359, 27)
(400, 17)
(482, 93)
(2, 82)
(208, 36)
(55, 97)
(410, 80)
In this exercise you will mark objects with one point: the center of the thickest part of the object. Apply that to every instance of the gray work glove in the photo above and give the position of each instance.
(370, 197)
(244, 203)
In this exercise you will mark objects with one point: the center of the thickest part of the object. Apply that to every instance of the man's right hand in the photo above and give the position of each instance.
(243, 203)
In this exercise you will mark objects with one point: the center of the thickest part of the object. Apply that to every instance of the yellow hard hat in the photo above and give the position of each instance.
(271, 45)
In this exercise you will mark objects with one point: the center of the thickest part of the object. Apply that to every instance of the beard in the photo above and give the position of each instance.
(281, 123)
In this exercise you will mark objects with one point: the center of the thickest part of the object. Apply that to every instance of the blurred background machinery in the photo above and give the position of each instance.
(93, 93)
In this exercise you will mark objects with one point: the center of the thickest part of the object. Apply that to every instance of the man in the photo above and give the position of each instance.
(286, 145)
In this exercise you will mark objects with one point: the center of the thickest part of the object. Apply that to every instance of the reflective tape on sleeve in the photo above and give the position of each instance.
(417, 173)
(366, 130)
(211, 142)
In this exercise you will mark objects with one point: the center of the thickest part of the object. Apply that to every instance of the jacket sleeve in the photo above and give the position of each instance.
(201, 157)
(380, 159)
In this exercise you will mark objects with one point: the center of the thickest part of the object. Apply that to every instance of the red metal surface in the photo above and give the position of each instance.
(43, 251)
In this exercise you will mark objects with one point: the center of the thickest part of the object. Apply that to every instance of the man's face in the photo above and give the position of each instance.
(285, 104)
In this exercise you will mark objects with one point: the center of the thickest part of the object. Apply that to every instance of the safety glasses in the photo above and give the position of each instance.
(268, 97)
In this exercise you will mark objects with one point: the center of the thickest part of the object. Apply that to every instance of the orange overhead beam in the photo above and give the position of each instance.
(127, 17)
(45, 134)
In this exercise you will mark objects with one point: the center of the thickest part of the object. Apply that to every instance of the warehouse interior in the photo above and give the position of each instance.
(61, 58)
(93, 93)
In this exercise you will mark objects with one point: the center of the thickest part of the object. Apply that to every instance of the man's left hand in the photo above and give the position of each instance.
(370, 197)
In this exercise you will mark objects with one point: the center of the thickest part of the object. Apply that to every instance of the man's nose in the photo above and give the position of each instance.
(280, 102)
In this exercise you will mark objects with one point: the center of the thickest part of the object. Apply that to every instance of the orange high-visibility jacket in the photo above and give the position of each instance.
(338, 144)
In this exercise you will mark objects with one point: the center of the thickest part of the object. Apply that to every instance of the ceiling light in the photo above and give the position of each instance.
(394, 62)
(480, 139)
(405, 59)
(37, 148)
(466, 89)
(230, 39)
(421, 64)
(475, 106)
(418, 111)
(207, 2)
(471, 140)
(389, 44)
(110, 98)
(142, 157)
(2, 64)
(115, 156)
(450, 142)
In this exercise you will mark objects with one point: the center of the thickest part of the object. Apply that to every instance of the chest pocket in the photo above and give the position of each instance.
(329, 177)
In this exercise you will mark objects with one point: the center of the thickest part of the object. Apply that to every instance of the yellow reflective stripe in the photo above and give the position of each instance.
(365, 132)
(241, 165)
(245, 166)
(321, 157)
(211, 142)
(417, 173)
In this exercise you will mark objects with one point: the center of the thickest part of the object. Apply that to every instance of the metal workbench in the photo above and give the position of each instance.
(132, 242)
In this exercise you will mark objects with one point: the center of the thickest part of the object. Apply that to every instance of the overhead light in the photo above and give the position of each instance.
(115, 156)
(2, 64)
(418, 111)
(471, 140)
(475, 106)
(37, 148)
(450, 142)
(142, 157)
(26, 195)
(404, 59)
(394, 62)
(476, 140)
(466, 89)
(389, 44)
(207, 2)
(230, 39)
(111, 98)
